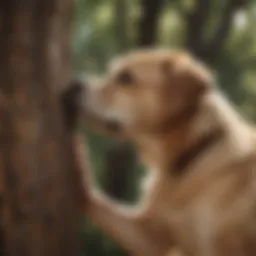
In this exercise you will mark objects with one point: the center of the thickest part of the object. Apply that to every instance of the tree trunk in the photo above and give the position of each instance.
(120, 164)
(210, 50)
(121, 25)
(148, 23)
(40, 199)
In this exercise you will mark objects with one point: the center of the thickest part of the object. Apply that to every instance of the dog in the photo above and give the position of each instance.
(198, 197)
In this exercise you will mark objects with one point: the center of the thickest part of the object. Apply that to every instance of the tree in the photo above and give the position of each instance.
(40, 196)
(121, 25)
(197, 20)
(148, 22)
(120, 163)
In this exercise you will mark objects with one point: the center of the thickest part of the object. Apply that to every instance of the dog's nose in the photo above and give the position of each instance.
(71, 100)
(76, 88)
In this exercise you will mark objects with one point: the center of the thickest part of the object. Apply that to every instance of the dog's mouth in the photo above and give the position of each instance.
(110, 125)
(113, 126)
(77, 102)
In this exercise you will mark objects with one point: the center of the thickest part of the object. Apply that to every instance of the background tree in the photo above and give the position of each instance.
(209, 49)
(40, 199)
(148, 22)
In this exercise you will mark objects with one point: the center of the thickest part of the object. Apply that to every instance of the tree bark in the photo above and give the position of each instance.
(40, 198)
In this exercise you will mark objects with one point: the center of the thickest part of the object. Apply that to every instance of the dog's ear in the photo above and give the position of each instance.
(187, 79)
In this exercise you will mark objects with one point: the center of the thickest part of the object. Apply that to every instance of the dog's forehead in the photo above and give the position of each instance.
(116, 65)
(146, 58)
(134, 61)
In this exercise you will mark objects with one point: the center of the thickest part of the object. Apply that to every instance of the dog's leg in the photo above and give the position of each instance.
(127, 226)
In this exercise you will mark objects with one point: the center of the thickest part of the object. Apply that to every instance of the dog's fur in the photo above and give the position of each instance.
(199, 194)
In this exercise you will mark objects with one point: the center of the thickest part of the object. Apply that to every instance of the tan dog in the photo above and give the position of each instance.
(199, 194)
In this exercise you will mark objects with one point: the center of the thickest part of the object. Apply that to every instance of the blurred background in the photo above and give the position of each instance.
(220, 32)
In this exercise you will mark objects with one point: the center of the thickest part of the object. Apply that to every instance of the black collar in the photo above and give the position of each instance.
(189, 155)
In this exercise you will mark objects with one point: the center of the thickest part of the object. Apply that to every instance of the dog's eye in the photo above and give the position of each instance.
(125, 78)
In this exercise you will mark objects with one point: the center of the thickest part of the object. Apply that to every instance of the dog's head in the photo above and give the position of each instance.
(147, 90)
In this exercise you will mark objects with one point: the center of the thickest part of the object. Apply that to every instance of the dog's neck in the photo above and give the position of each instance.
(215, 123)
(184, 159)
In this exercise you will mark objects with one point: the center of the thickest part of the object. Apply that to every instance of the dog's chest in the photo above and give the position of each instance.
(195, 222)
(155, 193)
(149, 182)
(206, 212)
(222, 210)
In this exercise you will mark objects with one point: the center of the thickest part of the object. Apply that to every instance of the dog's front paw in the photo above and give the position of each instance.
(71, 103)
